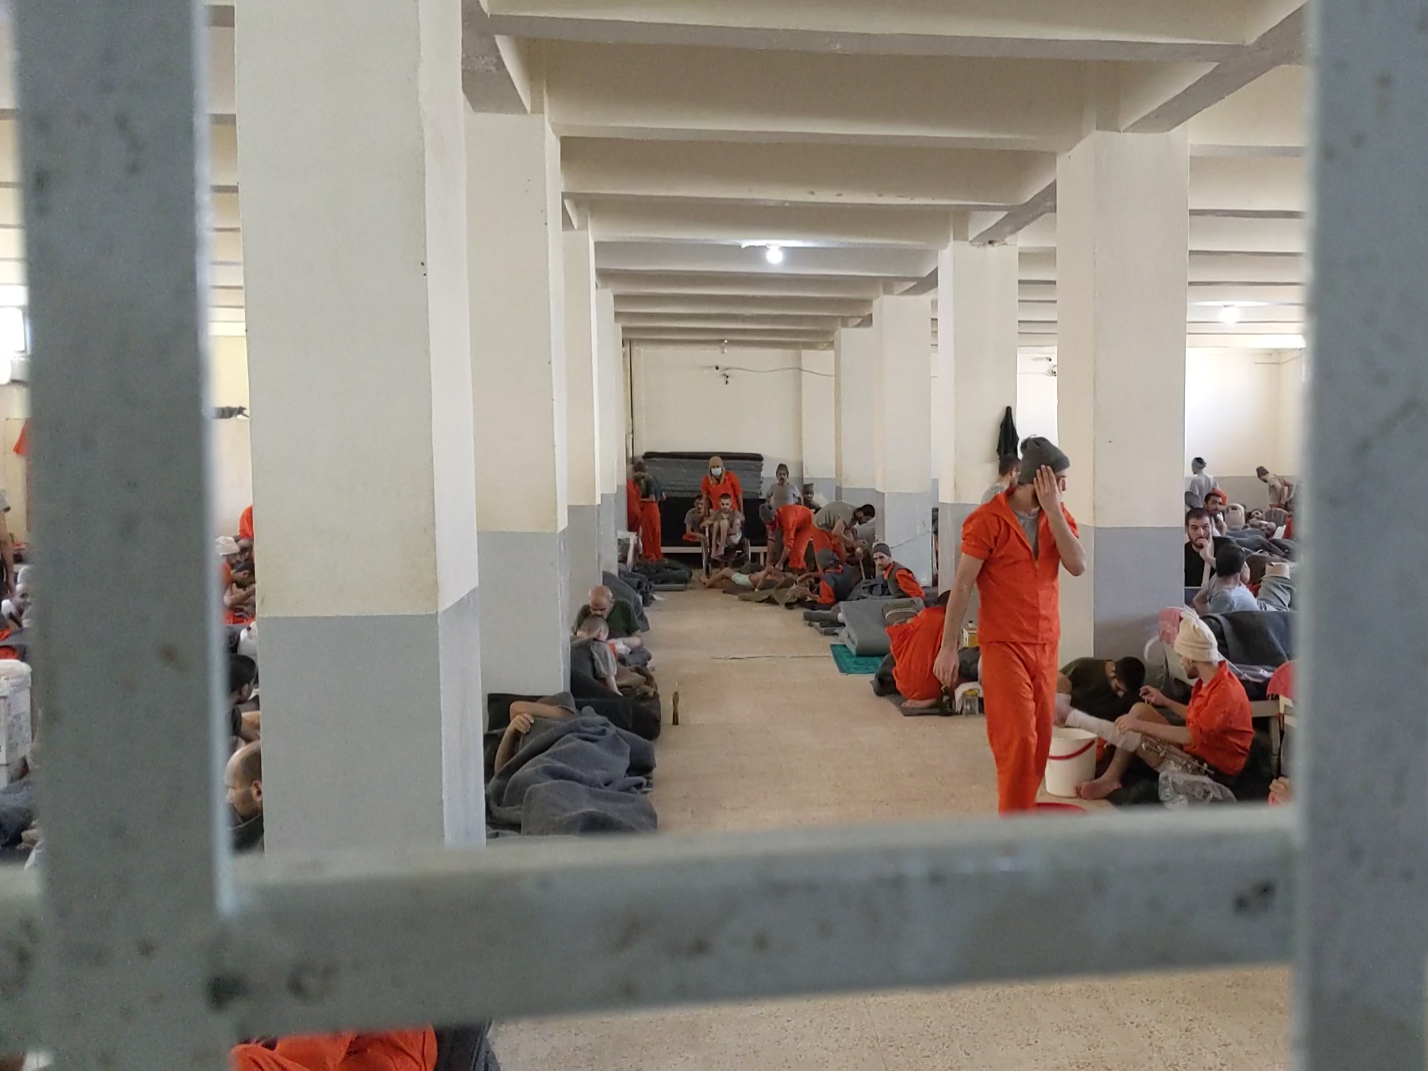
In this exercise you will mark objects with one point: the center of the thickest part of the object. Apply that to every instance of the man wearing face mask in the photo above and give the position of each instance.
(719, 481)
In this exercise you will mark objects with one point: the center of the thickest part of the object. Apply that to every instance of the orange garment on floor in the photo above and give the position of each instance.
(395, 1050)
(902, 581)
(632, 506)
(728, 484)
(914, 646)
(1018, 628)
(245, 524)
(1220, 721)
(651, 535)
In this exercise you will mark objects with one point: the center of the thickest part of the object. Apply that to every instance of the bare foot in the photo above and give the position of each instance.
(1098, 789)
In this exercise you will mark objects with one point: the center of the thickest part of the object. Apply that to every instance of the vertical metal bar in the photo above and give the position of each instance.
(114, 164)
(1364, 761)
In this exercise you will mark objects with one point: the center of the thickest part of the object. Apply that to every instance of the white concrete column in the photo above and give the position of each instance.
(363, 468)
(902, 327)
(612, 428)
(819, 431)
(855, 357)
(519, 390)
(977, 321)
(583, 431)
(1122, 224)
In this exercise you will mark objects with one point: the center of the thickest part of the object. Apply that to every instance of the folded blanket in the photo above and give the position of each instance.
(574, 776)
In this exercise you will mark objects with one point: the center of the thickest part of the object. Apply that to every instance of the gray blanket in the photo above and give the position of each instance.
(574, 776)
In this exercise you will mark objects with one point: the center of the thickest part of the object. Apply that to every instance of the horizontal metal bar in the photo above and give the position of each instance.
(541, 929)
(19, 953)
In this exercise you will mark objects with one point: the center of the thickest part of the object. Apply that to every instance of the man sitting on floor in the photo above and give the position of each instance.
(1201, 545)
(900, 580)
(1226, 592)
(913, 647)
(244, 726)
(1217, 727)
(591, 654)
(835, 582)
(1215, 506)
(1099, 687)
(619, 615)
(523, 718)
(243, 779)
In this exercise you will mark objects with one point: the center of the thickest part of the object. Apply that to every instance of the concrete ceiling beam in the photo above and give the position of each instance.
(862, 175)
(864, 261)
(789, 225)
(690, 93)
(1208, 30)
(498, 73)
(1265, 118)
(716, 304)
(1147, 109)
(730, 321)
(730, 283)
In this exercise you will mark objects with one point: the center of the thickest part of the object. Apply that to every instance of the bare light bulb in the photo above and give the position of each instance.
(1230, 314)
(774, 254)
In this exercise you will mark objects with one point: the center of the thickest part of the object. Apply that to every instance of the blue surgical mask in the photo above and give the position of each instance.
(716, 473)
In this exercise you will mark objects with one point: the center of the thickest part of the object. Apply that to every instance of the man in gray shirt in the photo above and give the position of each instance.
(1201, 484)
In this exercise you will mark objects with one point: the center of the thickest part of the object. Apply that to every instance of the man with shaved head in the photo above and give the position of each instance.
(619, 614)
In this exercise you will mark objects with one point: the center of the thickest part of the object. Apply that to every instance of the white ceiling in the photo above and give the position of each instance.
(858, 136)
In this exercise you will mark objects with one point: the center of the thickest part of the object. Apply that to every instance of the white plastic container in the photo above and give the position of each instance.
(1073, 760)
(14, 718)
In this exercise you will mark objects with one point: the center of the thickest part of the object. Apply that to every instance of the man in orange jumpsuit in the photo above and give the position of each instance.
(914, 645)
(720, 481)
(795, 523)
(394, 1050)
(901, 581)
(651, 528)
(245, 526)
(1013, 549)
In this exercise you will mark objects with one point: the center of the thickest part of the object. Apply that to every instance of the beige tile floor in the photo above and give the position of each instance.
(726, 767)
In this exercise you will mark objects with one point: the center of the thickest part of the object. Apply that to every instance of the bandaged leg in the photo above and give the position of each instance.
(1106, 730)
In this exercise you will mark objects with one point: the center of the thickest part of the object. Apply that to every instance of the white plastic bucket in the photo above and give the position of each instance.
(1073, 760)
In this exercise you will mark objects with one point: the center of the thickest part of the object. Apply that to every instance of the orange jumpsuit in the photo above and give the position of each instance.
(632, 506)
(1019, 628)
(914, 646)
(800, 533)
(728, 484)
(396, 1050)
(245, 524)
(902, 581)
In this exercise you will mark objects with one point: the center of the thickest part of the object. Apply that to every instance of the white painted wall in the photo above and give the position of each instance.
(683, 403)
(1292, 386)
(855, 353)
(1232, 410)
(819, 441)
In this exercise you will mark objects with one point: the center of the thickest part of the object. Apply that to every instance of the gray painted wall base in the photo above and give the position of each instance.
(825, 486)
(373, 730)
(525, 640)
(905, 524)
(582, 541)
(609, 547)
(1134, 574)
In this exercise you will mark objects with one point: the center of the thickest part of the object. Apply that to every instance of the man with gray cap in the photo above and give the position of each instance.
(1013, 549)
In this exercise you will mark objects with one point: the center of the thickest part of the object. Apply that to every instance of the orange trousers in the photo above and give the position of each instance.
(1019, 696)
(804, 548)
(396, 1050)
(651, 534)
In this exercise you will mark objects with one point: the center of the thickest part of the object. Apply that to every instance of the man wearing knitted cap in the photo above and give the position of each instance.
(1217, 725)
(1013, 550)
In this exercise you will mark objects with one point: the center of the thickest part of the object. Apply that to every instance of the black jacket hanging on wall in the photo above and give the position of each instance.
(1007, 440)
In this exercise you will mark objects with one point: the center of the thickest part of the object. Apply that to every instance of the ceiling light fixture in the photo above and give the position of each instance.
(774, 254)
(1230, 314)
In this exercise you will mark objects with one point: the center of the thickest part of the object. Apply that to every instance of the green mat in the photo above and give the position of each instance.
(848, 662)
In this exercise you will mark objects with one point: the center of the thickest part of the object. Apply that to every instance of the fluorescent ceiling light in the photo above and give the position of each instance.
(1230, 314)
(774, 254)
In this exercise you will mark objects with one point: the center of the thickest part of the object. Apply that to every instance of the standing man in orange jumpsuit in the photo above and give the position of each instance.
(1013, 549)
(651, 530)
(719, 481)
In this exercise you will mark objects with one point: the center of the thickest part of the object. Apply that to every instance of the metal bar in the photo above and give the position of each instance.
(1363, 916)
(524, 930)
(114, 169)
(19, 952)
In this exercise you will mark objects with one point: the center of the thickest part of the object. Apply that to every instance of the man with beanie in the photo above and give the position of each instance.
(1013, 549)
(835, 580)
(900, 580)
(1217, 727)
